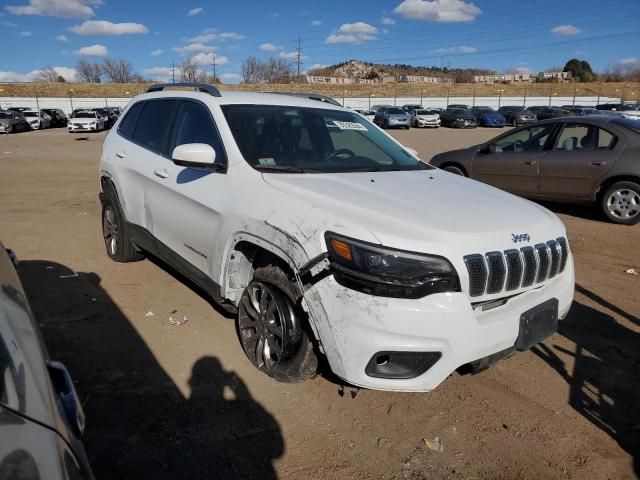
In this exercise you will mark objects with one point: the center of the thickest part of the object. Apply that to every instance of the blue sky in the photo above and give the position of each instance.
(498, 34)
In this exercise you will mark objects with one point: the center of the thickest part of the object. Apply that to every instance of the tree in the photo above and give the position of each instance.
(272, 70)
(189, 71)
(89, 72)
(580, 70)
(47, 75)
(251, 70)
(117, 71)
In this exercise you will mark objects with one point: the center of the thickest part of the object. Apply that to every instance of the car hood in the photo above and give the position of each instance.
(428, 117)
(83, 120)
(492, 116)
(400, 116)
(427, 210)
(463, 153)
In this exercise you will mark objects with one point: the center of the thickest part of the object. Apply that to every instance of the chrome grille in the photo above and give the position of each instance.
(510, 270)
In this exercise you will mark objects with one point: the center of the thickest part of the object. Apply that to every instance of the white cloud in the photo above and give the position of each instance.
(457, 49)
(270, 47)
(443, 11)
(202, 38)
(289, 55)
(315, 23)
(92, 51)
(274, 15)
(230, 76)
(107, 29)
(26, 33)
(387, 21)
(519, 70)
(69, 74)
(629, 61)
(207, 59)
(56, 8)
(316, 65)
(194, 48)
(4, 23)
(159, 73)
(565, 30)
(195, 11)
(62, 38)
(157, 53)
(230, 36)
(357, 32)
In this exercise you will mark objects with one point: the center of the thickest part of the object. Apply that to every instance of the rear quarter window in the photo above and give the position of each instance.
(128, 124)
(153, 124)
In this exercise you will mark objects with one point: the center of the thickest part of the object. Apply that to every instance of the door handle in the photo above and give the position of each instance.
(161, 172)
(598, 164)
(121, 155)
(530, 162)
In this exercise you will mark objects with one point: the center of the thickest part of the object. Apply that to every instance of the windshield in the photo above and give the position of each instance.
(633, 125)
(300, 139)
(5, 115)
(396, 111)
(31, 114)
(85, 115)
(426, 112)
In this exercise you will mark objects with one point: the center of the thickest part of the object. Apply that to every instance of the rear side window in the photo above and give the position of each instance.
(584, 137)
(605, 139)
(128, 124)
(194, 125)
(153, 123)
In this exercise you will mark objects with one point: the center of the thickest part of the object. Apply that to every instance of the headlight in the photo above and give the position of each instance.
(387, 272)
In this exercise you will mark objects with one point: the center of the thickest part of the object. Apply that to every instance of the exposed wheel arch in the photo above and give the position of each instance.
(597, 197)
(455, 165)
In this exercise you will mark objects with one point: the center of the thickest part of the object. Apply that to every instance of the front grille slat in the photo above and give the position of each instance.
(514, 269)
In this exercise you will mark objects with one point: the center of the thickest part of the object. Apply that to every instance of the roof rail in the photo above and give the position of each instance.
(201, 87)
(311, 96)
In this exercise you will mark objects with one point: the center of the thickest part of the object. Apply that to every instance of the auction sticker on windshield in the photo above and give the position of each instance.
(349, 125)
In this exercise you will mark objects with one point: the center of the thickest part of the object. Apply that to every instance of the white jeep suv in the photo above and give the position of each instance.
(326, 237)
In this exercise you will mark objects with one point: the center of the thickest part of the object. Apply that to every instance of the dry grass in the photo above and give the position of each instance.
(631, 90)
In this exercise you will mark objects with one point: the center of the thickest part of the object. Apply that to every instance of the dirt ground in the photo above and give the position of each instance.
(166, 401)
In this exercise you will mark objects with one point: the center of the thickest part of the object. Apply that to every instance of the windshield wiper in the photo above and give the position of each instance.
(281, 168)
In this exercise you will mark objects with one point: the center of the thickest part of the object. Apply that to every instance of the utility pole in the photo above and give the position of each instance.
(298, 58)
(214, 67)
(173, 72)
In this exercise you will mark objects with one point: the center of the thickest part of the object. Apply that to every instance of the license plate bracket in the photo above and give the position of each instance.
(537, 324)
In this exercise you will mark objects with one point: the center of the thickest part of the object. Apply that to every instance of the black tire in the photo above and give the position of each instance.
(621, 203)
(116, 235)
(514, 122)
(454, 169)
(293, 358)
(385, 125)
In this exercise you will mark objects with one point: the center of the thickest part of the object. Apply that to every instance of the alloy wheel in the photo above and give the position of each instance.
(266, 319)
(624, 204)
(110, 229)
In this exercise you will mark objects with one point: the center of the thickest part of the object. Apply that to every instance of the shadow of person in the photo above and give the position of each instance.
(605, 379)
(139, 423)
(236, 435)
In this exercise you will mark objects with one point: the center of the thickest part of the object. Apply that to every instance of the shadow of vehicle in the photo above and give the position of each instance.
(585, 212)
(605, 380)
(139, 424)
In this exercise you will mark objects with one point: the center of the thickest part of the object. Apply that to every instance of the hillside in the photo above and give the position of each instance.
(358, 69)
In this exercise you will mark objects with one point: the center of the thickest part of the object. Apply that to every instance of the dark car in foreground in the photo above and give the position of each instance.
(58, 117)
(587, 159)
(516, 115)
(41, 418)
(488, 117)
(458, 118)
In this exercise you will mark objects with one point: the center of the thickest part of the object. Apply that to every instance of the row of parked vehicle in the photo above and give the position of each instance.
(21, 119)
(463, 116)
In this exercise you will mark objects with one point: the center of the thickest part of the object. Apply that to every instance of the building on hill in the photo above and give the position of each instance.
(559, 77)
(322, 79)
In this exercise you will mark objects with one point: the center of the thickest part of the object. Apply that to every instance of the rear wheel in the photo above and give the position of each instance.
(621, 203)
(271, 328)
(454, 169)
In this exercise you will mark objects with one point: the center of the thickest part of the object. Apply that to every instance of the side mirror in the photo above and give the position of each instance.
(194, 155)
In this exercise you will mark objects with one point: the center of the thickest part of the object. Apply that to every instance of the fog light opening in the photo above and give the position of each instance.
(382, 359)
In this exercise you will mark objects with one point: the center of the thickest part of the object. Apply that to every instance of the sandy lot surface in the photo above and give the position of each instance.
(167, 401)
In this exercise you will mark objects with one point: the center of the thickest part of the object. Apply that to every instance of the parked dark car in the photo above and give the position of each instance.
(618, 107)
(109, 116)
(544, 113)
(458, 105)
(589, 159)
(41, 418)
(19, 109)
(58, 117)
(12, 121)
(458, 118)
(584, 111)
(392, 117)
(516, 115)
(488, 117)
(410, 107)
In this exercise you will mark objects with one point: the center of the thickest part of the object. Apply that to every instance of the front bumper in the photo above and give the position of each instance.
(464, 124)
(82, 128)
(428, 123)
(353, 327)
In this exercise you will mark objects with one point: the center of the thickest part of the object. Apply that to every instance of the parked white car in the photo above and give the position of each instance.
(425, 118)
(37, 119)
(326, 237)
(86, 121)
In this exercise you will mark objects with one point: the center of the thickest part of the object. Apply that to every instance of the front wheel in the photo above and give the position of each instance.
(270, 326)
(115, 232)
(621, 203)
(514, 122)
(454, 169)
